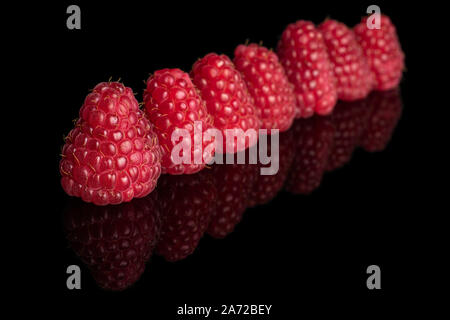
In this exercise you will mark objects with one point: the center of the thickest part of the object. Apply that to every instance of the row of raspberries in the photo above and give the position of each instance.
(117, 241)
(117, 151)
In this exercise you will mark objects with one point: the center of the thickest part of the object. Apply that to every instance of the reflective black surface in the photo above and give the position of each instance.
(115, 242)
(305, 249)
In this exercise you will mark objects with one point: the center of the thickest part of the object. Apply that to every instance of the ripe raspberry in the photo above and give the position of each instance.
(349, 120)
(233, 183)
(227, 99)
(266, 187)
(383, 52)
(173, 103)
(115, 242)
(268, 84)
(112, 155)
(304, 56)
(350, 67)
(314, 140)
(386, 110)
(188, 203)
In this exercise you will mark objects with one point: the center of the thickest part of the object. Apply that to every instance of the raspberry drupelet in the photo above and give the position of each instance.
(304, 56)
(172, 104)
(268, 84)
(228, 100)
(112, 154)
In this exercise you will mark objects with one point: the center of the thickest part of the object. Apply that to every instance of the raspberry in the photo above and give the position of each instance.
(266, 187)
(233, 183)
(112, 155)
(383, 52)
(314, 140)
(115, 242)
(350, 67)
(304, 56)
(349, 120)
(188, 203)
(268, 84)
(386, 110)
(227, 99)
(173, 103)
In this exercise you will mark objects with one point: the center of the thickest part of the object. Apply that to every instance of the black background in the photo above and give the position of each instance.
(297, 252)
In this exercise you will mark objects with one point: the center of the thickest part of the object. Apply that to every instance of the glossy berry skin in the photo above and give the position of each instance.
(233, 183)
(350, 67)
(173, 103)
(385, 112)
(112, 155)
(115, 242)
(304, 56)
(188, 203)
(383, 52)
(314, 141)
(227, 98)
(267, 82)
(266, 187)
(350, 121)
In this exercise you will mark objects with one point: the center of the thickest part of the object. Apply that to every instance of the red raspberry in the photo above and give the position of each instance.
(314, 140)
(268, 84)
(233, 183)
(386, 110)
(112, 155)
(383, 51)
(266, 187)
(188, 203)
(304, 56)
(350, 67)
(227, 98)
(114, 241)
(349, 120)
(173, 103)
